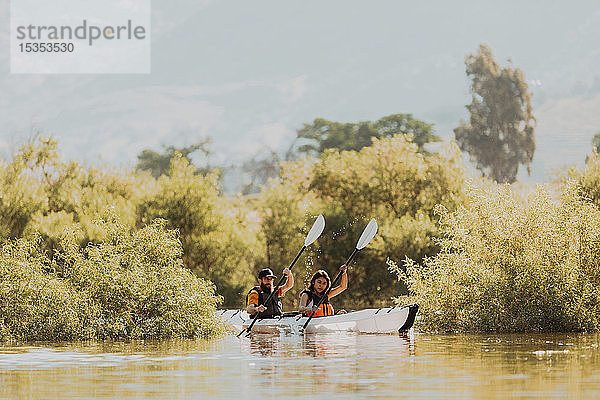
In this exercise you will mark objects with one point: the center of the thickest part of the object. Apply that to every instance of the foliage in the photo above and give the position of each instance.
(158, 163)
(587, 180)
(20, 198)
(259, 169)
(285, 220)
(508, 265)
(213, 240)
(66, 194)
(323, 134)
(498, 260)
(596, 143)
(390, 181)
(499, 135)
(40, 193)
(131, 286)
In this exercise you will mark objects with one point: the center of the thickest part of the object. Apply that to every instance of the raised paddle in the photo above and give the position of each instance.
(313, 235)
(364, 240)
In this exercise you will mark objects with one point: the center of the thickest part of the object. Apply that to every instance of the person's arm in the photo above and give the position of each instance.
(253, 307)
(289, 283)
(303, 306)
(343, 284)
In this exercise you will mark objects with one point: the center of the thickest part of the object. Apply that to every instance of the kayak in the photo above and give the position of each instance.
(371, 320)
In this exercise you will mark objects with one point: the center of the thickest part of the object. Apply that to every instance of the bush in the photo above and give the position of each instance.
(36, 305)
(588, 180)
(133, 285)
(508, 265)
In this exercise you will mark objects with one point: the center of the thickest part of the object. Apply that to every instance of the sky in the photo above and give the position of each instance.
(248, 74)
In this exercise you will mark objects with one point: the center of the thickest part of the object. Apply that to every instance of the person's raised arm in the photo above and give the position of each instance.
(343, 284)
(289, 283)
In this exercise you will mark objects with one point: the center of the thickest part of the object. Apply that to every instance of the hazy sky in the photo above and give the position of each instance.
(249, 73)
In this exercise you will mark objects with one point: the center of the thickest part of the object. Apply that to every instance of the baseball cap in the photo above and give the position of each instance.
(265, 272)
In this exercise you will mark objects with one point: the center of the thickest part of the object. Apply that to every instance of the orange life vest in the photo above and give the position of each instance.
(324, 309)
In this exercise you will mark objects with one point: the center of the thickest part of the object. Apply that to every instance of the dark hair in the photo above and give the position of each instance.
(319, 274)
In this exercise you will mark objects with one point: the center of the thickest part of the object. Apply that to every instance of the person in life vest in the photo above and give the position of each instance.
(257, 296)
(319, 283)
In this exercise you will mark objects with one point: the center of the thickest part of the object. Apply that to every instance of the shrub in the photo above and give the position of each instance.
(36, 305)
(508, 265)
(588, 180)
(133, 285)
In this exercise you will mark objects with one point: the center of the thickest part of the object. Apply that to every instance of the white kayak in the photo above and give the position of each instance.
(371, 320)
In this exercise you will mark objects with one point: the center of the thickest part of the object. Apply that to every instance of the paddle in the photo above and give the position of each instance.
(313, 235)
(364, 240)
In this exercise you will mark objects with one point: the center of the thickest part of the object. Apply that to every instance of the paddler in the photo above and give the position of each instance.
(256, 297)
(319, 283)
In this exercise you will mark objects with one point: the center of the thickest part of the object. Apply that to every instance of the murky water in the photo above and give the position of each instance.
(318, 366)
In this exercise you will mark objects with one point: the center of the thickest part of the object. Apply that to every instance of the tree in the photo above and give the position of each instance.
(596, 143)
(259, 169)
(42, 194)
(215, 245)
(158, 163)
(323, 134)
(499, 135)
(390, 181)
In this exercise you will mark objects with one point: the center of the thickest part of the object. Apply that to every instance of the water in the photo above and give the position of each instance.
(318, 366)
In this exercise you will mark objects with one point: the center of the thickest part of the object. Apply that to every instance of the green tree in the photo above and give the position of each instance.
(390, 181)
(158, 163)
(499, 135)
(21, 197)
(215, 245)
(40, 193)
(322, 134)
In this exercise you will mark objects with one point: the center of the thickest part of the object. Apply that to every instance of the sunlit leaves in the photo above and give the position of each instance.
(213, 239)
(133, 285)
(512, 264)
(390, 181)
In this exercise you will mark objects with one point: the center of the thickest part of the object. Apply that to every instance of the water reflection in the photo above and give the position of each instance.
(324, 363)
(319, 366)
(324, 345)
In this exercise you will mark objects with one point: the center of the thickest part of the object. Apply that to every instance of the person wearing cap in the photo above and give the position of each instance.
(257, 296)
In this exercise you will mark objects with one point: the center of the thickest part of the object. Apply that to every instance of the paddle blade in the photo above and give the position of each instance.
(367, 234)
(315, 231)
